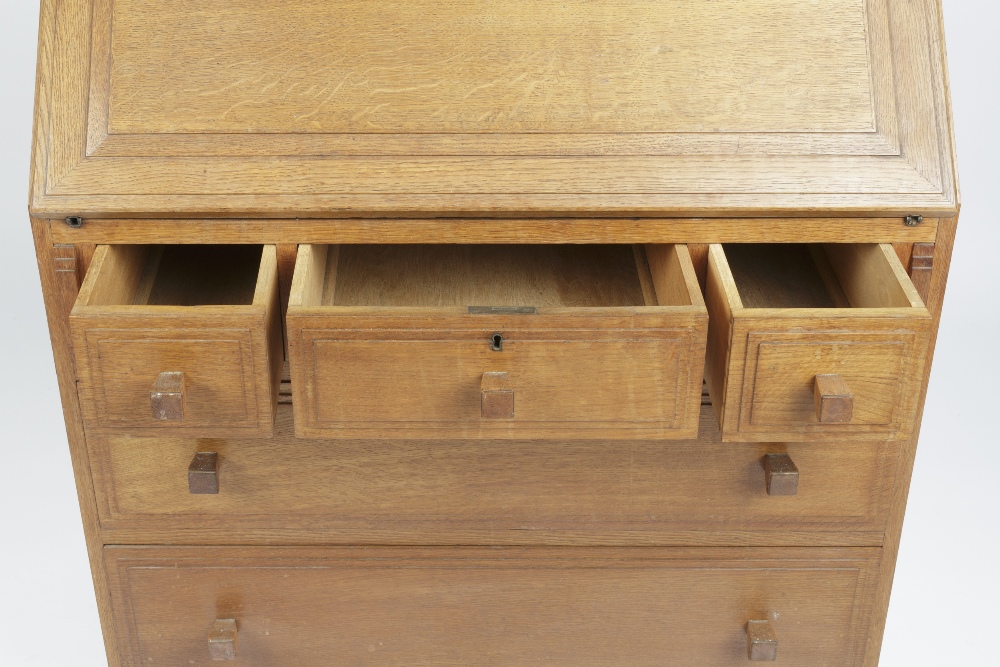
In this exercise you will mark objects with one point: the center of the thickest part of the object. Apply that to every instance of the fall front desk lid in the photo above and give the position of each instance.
(313, 108)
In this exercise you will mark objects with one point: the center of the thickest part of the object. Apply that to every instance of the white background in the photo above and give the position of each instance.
(946, 593)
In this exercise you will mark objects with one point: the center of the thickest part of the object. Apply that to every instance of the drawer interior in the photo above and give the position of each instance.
(798, 275)
(173, 275)
(580, 276)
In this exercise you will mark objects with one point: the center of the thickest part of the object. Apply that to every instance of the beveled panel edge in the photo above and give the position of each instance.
(62, 129)
(881, 138)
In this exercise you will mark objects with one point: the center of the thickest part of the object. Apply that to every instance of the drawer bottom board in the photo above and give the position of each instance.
(496, 607)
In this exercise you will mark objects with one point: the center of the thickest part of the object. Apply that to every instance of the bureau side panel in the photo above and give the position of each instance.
(59, 272)
(939, 277)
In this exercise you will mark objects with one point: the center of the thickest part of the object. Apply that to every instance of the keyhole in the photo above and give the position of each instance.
(497, 343)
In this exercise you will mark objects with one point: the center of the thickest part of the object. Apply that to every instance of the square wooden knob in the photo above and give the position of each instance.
(834, 401)
(497, 396)
(166, 398)
(762, 643)
(781, 475)
(203, 473)
(222, 641)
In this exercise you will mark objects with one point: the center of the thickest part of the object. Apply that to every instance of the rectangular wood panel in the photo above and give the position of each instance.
(517, 66)
(699, 491)
(207, 313)
(597, 342)
(781, 315)
(596, 107)
(502, 608)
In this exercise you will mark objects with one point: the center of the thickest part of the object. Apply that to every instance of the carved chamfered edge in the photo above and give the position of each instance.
(91, 169)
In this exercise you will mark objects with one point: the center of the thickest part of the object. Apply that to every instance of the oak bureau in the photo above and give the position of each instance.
(447, 333)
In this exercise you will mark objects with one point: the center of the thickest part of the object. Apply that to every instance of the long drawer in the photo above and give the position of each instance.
(492, 491)
(383, 607)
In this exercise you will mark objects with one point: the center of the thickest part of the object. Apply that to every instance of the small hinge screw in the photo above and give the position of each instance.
(74, 221)
(913, 220)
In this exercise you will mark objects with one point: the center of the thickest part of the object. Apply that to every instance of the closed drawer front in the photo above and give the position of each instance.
(813, 342)
(179, 340)
(507, 607)
(496, 341)
(492, 491)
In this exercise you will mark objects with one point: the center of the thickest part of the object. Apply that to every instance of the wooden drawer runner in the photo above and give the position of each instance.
(810, 342)
(181, 340)
(491, 491)
(496, 341)
(497, 607)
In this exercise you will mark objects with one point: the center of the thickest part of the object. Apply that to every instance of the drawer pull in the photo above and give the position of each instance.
(834, 401)
(762, 643)
(222, 642)
(502, 310)
(166, 398)
(497, 396)
(203, 473)
(781, 474)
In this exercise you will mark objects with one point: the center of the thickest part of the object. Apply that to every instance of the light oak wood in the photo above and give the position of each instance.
(293, 123)
(701, 491)
(774, 327)
(762, 642)
(393, 341)
(209, 314)
(921, 268)
(498, 229)
(508, 83)
(797, 107)
(451, 607)
(944, 246)
(60, 281)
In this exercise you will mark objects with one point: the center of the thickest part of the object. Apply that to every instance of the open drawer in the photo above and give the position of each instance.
(182, 340)
(813, 341)
(439, 341)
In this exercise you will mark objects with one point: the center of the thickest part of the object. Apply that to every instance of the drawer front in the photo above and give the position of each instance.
(191, 370)
(559, 382)
(775, 364)
(491, 491)
(217, 365)
(510, 607)
(810, 374)
(496, 341)
(779, 380)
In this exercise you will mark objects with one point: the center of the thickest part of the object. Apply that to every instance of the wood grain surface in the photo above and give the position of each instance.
(698, 491)
(444, 107)
(393, 341)
(171, 126)
(60, 281)
(774, 345)
(230, 355)
(499, 607)
(521, 66)
(498, 229)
